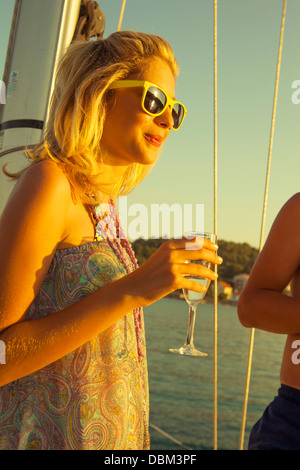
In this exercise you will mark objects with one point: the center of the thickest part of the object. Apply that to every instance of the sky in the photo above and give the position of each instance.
(248, 38)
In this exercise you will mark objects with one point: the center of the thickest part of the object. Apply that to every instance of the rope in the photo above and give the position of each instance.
(242, 434)
(215, 230)
(169, 437)
(121, 15)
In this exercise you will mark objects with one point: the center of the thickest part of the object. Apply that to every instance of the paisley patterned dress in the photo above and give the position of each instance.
(96, 397)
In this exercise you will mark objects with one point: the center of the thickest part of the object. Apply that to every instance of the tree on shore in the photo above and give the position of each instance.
(237, 257)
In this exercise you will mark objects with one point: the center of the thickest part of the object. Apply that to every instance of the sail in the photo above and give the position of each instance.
(40, 33)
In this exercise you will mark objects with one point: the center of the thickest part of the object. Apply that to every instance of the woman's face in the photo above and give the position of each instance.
(130, 134)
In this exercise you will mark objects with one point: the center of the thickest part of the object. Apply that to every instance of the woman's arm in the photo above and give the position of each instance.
(34, 222)
(262, 304)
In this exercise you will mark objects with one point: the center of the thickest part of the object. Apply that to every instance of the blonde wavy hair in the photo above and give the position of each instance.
(72, 136)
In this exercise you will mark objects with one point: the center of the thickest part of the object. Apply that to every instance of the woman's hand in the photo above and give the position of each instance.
(166, 270)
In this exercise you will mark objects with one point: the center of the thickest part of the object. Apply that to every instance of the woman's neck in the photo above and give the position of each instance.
(111, 175)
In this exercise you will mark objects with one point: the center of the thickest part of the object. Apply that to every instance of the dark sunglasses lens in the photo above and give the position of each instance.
(155, 100)
(177, 114)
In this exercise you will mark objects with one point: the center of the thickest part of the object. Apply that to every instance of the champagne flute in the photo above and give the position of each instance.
(193, 299)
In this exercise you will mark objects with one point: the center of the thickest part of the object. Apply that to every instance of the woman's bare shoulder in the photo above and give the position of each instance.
(42, 192)
(45, 171)
(44, 180)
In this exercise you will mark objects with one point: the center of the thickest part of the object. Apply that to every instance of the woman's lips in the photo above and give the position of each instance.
(155, 140)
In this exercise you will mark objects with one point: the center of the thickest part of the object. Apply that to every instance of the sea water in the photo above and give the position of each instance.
(182, 388)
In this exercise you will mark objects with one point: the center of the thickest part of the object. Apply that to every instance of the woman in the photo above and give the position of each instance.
(264, 304)
(71, 293)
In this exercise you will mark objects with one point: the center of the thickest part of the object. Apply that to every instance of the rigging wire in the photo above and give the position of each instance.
(215, 231)
(164, 433)
(242, 433)
(121, 15)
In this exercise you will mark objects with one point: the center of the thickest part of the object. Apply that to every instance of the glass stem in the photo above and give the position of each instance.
(190, 333)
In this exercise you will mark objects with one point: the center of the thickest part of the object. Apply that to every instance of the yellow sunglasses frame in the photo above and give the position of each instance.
(146, 85)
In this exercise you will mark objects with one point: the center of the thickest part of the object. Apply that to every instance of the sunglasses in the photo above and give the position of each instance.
(155, 100)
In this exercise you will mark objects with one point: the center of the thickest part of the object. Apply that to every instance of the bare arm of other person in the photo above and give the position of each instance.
(262, 304)
(34, 222)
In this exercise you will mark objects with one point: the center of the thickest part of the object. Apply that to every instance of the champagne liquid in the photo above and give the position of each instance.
(192, 296)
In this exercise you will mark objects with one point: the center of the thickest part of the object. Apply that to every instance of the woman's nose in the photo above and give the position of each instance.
(166, 119)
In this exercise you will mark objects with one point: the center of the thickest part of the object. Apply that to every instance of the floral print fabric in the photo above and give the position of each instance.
(96, 397)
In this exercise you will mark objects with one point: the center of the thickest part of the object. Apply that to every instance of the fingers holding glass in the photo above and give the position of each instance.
(199, 275)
